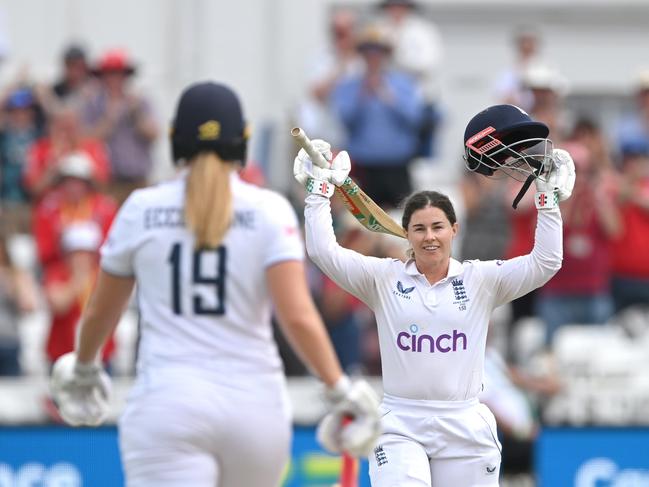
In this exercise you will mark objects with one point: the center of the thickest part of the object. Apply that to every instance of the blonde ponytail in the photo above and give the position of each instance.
(208, 199)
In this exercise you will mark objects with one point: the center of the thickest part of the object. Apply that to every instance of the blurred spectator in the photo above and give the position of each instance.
(381, 110)
(417, 51)
(634, 126)
(68, 284)
(75, 76)
(630, 276)
(580, 292)
(547, 88)
(486, 220)
(18, 133)
(76, 199)
(65, 136)
(17, 295)
(509, 392)
(124, 120)
(509, 86)
(339, 61)
(587, 132)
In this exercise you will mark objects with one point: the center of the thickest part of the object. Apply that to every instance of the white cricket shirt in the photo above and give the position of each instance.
(210, 307)
(432, 337)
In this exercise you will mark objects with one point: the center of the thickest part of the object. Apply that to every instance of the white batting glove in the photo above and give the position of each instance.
(353, 425)
(80, 391)
(557, 184)
(321, 180)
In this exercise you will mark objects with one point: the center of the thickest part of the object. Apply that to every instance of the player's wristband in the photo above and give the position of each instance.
(320, 187)
(545, 200)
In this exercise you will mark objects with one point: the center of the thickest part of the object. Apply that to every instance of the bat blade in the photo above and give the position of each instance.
(364, 209)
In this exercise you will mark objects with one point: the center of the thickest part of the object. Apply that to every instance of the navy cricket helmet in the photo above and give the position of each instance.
(505, 138)
(500, 137)
(209, 118)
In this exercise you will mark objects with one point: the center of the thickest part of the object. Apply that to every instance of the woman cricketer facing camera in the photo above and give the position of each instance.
(209, 254)
(432, 311)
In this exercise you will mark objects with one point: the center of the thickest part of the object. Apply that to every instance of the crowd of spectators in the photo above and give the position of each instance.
(70, 153)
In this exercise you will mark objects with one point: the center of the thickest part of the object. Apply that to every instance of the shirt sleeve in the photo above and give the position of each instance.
(513, 278)
(352, 271)
(282, 238)
(124, 236)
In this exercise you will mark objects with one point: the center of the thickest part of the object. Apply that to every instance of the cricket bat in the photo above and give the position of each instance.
(364, 209)
(349, 471)
(349, 467)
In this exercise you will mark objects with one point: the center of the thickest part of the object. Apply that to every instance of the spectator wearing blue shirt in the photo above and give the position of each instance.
(633, 127)
(20, 128)
(381, 109)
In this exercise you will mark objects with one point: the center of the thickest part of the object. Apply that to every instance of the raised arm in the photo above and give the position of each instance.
(350, 270)
(518, 276)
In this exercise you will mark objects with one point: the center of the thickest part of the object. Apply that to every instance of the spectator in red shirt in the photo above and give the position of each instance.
(630, 277)
(75, 198)
(580, 293)
(68, 284)
(64, 137)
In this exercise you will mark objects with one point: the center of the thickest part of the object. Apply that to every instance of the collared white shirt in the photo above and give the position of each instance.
(432, 337)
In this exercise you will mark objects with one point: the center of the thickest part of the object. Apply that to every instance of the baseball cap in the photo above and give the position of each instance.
(540, 76)
(209, 117)
(114, 61)
(81, 236)
(74, 52)
(20, 98)
(76, 165)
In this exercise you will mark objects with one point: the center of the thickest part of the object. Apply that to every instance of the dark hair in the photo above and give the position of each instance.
(423, 199)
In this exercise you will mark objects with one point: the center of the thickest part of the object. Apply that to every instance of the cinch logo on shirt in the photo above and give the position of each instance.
(403, 291)
(444, 343)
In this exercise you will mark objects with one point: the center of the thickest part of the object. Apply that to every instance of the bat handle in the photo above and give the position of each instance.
(301, 138)
(348, 472)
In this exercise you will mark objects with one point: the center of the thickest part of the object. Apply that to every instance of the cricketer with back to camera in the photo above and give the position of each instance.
(433, 311)
(209, 406)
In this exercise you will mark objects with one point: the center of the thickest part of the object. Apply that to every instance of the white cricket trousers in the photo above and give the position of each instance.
(185, 427)
(435, 444)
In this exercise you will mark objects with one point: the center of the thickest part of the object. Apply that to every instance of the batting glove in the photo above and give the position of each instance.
(321, 180)
(557, 184)
(353, 426)
(81, 391)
